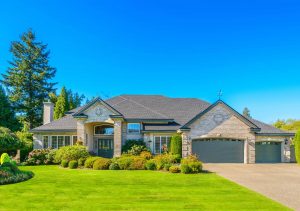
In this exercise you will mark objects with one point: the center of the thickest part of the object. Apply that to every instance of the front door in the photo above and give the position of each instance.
(105, 148)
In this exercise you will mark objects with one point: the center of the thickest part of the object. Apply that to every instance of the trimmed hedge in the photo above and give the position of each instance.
(101, 164)
(176, 145)
(73, 164)
(191, 165)
(151, 165)
(64, 163)
(89, 162)
(114, 166)
(174, 169)
(71, 153)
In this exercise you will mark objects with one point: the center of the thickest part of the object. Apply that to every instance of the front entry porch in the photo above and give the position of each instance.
(105, 147)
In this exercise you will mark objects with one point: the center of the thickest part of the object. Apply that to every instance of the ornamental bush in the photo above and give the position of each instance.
(114, 166)
(8, 140)
(190, 165)
(150, 165)
(73, 164)
(138, 163)
(81, 161)
(9, 173)
(297, 146)
(40, 157)
(124, 162)
(71, 153)
(89, 162)
(176, 145)
(64, 163)
(163, 159)
(130, 143)
(146, 154)
(5, 158)
(174, 169)
(137, 150)
(167, 167)
(101, 164)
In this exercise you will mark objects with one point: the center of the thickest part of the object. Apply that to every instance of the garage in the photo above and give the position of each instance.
(219, 150)
(268, 152)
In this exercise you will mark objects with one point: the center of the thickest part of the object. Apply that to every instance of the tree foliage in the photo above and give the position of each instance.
(246, 112)
(61, 105)
(297, 146)
(176, 145)
(8, 140)
(7, 115)
(28, 79)
(289, 124)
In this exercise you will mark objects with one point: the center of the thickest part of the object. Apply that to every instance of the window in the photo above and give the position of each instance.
(60, 141)
(54, 142)
(45, 142)
(104, 130)
(133, 128)
(67, 141)
(74, 140)
(161, 143)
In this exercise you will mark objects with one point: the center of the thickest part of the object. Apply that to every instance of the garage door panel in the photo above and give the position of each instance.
(268, 152)
(219, 151)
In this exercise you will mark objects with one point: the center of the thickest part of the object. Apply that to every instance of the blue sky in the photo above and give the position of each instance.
(249, 49)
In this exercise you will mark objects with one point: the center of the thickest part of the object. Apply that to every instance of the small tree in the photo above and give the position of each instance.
(246, 112)
(176, 145)
(61, 104)
(297, 146)
(8, 140)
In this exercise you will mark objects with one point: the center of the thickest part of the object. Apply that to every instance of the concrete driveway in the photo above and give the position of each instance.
(280, 182)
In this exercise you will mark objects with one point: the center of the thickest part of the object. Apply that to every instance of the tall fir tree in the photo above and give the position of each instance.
(29, 77)
(7, 114)
(61, 105)
(246, 112)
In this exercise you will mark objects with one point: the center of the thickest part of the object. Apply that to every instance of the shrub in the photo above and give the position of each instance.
(150, 165)
(174, 169)
(10, 167)
(89, 162)
(146, 154)
(73, 164)
(101, 164)
(167, 167)
(40, 156)
(176, 145)
(124, 162)
(138, 163)
(130, 143)
(9, 173)
(185, 169)
(163, 159)
(5, 158)
(137, 150)
(26, 139)
(71, 153)
(114, 166)
(190, 165)
(81, 161)
(297, 146)
(64, 163)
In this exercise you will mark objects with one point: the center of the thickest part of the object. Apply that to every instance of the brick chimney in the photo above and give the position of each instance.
(48, 112)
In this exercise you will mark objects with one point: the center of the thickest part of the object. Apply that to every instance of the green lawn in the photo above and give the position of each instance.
(54, 188)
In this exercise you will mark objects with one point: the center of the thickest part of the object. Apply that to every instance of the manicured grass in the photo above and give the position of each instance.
(54, 188)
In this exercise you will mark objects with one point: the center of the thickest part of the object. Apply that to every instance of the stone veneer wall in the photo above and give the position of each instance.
(220, 123)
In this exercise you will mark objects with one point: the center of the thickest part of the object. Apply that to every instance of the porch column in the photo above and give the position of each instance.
(81, 130)
(117, 137)
(186, 144)
(251, 150)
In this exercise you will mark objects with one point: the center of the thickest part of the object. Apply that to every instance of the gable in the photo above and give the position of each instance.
(219, 121)
(98, 113)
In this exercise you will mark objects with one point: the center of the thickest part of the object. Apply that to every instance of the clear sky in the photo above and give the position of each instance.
(249, 49)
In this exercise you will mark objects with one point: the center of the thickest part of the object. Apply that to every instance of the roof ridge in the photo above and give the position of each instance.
(145, 107)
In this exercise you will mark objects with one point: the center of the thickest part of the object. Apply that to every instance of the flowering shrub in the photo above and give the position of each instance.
(40, 157)
(71, 153)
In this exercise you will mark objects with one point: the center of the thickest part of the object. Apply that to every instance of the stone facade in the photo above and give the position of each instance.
(220, 122)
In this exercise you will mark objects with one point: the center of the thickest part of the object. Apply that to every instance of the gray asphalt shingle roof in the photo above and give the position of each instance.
(152, 107)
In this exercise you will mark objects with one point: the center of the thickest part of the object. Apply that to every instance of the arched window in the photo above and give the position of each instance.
(104, 130)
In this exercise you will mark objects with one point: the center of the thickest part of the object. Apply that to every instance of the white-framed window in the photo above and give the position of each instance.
(74, 141)
(161, 143)
(46, 142)
(59, 141)
(103, 130)
(133, 128)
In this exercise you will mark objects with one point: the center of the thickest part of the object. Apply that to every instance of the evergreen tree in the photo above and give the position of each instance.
(61, 104)
(7, 114)
(246, 112)
(28, 79)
